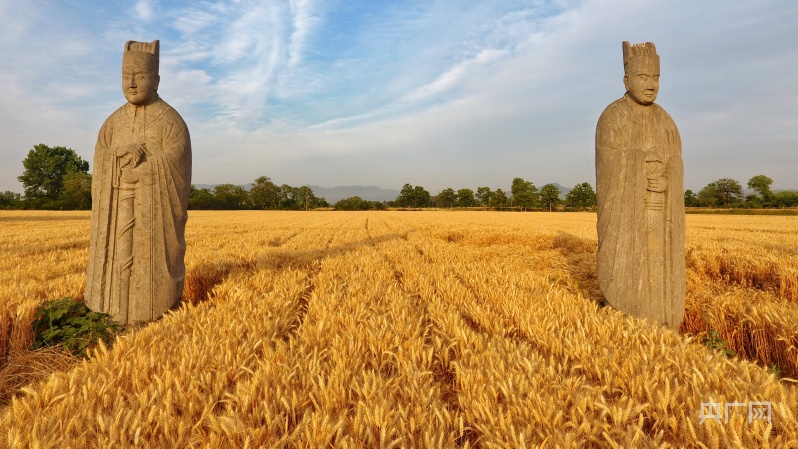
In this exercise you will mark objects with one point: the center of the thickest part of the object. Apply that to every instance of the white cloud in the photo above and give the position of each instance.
(144, 10)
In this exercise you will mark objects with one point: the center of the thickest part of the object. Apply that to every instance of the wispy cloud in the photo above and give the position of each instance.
(455, 75)
(303, 21)
(243, 50)
(191, 21)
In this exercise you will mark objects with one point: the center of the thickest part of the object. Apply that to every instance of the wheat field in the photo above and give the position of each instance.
(408, 329)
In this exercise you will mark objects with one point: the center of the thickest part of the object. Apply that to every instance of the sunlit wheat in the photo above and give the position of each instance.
(409, 329)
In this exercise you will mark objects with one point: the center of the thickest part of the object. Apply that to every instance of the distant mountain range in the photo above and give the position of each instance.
(563, 190)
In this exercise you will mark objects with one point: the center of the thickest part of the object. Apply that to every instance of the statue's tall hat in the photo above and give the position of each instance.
(640, 56)
(142, 55)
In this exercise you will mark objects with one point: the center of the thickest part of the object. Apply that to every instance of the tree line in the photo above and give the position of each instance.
(728, 193)
(57, 178)
(264, 194)
(523, 195)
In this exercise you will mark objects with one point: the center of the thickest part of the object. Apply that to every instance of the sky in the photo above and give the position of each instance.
(440, 94)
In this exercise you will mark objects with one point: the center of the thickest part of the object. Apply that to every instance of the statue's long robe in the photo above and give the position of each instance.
(640, 251)
(158, 214)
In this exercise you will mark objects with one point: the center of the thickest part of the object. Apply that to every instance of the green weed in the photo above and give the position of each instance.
(72, 325)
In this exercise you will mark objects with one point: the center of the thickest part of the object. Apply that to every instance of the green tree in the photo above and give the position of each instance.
(485, 196)
(77, 190)
(708, 196)
(421, 197)
(761, 184)
(465, 198)
(10, 200)
(447, 197)
(200, 199)
(549, 196)
(265, 194)
(45, 169)
(499, 198)
(753, 202)
(729, 191)
(525, 194)
(305, 195)
(308, 199)
(298, 198)
(352, 203)
(785, 199)
(290, 199)
(405, 198)
(231, 197)
(581, 197)
(723, 192)
(411, 196)
(690, 199)
(322, 202)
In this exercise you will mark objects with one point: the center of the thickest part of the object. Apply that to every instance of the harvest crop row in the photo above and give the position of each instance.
(414, 329)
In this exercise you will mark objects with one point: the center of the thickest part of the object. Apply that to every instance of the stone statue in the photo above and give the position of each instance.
(140, 187)
(640, 195)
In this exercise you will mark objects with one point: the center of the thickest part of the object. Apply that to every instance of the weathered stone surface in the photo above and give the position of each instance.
(640, 194)
(140, 185)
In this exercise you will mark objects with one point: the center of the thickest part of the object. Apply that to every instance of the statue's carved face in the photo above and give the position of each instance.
(139, 84)
(642, 84)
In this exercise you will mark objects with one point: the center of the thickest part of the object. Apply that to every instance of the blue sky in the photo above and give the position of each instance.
(439, 94)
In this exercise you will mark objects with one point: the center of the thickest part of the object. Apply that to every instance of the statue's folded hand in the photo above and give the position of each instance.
(134, 151)
(659, 184)
(130, 175)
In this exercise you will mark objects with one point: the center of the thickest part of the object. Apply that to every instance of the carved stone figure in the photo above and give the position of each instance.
(140, 187)
(640, 195)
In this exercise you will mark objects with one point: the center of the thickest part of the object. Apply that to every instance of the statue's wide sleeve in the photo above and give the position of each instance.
(102, 205)
(620, 190)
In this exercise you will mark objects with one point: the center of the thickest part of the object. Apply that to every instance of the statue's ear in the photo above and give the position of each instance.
(155, 81)
(626, 82)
